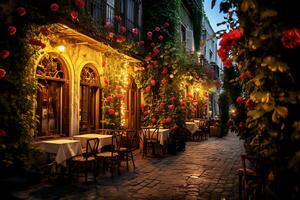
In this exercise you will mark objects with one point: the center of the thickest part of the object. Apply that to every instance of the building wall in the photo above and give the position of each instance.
(186, 21)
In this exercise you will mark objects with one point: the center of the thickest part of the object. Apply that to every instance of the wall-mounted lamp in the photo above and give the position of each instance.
(61, 48)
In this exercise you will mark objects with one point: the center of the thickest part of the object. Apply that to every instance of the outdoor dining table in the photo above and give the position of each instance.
(103, 139)
(163, 135)
(62, 148)
(191, 126)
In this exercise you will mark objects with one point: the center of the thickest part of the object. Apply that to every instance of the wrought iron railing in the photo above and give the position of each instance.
(103, 13)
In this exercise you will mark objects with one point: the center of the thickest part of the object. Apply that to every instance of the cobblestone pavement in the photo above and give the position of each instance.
(205, 170)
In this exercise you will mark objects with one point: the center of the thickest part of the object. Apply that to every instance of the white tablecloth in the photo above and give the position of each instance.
(191, 126)
(103, 139)
(163, 135)
(63, 148)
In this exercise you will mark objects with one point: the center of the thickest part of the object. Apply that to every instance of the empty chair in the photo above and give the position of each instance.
(128, 141)
(86, 160)
(150, 140)
(110, 155)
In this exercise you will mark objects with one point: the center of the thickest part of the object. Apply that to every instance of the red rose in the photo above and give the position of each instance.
(240, 100)
(171, 107)
(153, 82)
(165, 71)
(74, 15)
(4, 54)
(155, 51)
(169, 120)
(157, 29)
(162, 105)
(54, 7)
(110, 35)
(118, 18)
(135, 31)
(166, 25)
(120, 96)
(108, 99)
(11, 30)
(2, 73)
(291, 38)
(152, 45)
(182, 103)
(153, 120)
(155, 62)
(21, 11)
(148, 58)
(111, 111)
(123, 29)
(173, 99)
(120, 39)
(79, 3)
(161, 38)
(175, 127)
(147, 89)
(249, 104)
(107, 24)
(242, 125)
(149, 35)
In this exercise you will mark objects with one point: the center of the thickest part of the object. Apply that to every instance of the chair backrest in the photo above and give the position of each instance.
(150, 133)
(92, 147)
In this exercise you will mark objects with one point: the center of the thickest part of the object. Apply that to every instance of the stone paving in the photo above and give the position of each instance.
(205, 170)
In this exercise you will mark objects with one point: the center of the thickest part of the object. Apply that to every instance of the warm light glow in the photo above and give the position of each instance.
(61, 48)
(197, 89)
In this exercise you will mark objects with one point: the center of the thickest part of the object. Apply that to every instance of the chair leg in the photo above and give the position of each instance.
(126, 154)
(240, 185)
(132, 159)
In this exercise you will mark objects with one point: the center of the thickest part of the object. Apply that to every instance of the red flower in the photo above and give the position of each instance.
(141, 43)
(240, 100)
(111, 111)
(153, 120)
(175, 127)
(110, 35)
(165, 71)
(107, 24)
(242, 125)
(147, 89)
(3, 133)
(162, 105)
(169, 120)
(161, 38)
(4, 54)
(74, 15)
(118, 87)
(120, 39)
(36, 42)
(249, 104)
(79, 3)
(2, 73)
(109, 99)
(182, 103)
(155, 62)
(153, 82)
(149, 35)
(148, 58)
(152, 44)
(156, 51)
(106, 81)
(173, 99)
(118, 18)
(54, 7)
(11, 30)
(21, 11)
(135, 31)
(157, 29)
(123, 29)
(291, 38)
(171, 107)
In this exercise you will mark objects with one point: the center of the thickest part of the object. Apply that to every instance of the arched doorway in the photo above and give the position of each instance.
(52, 97)
(133, 105)
(90, 95)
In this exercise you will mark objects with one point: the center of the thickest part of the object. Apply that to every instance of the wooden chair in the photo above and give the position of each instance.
(86, 159)
(110, 156)
(249, 180)
(128, 140)
(150, 140)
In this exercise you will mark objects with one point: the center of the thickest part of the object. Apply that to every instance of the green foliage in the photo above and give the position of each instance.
(272, 91)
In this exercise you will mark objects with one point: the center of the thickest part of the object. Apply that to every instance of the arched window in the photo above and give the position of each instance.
(52, 97)
(89, 98)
